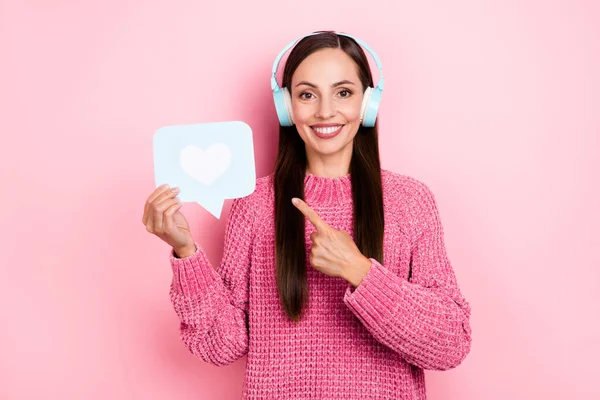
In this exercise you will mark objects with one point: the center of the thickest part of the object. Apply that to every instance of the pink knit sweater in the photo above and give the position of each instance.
(368, 342)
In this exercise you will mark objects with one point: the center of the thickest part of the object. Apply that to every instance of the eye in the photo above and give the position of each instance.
(305, 98)
(348, 93)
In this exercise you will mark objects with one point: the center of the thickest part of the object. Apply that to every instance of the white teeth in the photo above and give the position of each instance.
(327, 130)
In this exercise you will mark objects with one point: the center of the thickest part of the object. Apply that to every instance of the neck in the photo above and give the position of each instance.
(331, 166)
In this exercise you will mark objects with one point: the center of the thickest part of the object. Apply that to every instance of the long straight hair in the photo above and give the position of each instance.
(289, 175)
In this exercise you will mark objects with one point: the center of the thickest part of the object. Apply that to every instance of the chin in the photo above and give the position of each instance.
(330, 146)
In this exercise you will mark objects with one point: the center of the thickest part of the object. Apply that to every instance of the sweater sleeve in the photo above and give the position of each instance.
(212, 304)
(425, 319)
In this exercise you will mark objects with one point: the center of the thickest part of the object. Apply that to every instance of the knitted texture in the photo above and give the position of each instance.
(369, 342)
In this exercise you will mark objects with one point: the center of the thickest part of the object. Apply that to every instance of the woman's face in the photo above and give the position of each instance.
(326, 99)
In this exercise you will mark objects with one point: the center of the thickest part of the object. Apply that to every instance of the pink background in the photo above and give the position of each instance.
(493, 104)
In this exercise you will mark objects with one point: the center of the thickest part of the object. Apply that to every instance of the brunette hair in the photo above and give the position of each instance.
(289, 175)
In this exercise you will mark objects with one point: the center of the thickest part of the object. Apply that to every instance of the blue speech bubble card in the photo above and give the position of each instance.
(209, 162)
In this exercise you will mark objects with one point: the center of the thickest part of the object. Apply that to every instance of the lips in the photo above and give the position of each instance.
(327, 131)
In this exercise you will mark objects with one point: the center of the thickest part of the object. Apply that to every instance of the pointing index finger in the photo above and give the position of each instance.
(311, 214)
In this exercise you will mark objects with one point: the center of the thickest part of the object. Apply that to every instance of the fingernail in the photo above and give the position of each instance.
(295, 201)
(175, 189)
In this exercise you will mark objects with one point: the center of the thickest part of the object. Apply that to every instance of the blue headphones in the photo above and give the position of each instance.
(283, 99)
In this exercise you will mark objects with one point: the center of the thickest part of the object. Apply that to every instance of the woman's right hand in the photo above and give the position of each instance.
(163, 219)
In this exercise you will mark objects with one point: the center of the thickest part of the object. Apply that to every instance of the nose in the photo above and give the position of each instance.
(326, 108)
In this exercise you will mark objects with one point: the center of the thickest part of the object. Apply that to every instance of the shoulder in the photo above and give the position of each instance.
(263, 193)
(263, 186)
(255, 203)
(405, 188)
(409, 199)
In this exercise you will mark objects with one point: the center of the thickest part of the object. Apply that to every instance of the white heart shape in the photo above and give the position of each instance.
(205, 166)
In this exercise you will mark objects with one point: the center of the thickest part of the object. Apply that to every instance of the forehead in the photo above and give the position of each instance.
(326, 66)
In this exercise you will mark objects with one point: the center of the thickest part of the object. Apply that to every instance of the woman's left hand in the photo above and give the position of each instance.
(333, 251)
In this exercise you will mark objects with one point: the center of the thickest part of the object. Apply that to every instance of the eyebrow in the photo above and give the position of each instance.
(344, 82)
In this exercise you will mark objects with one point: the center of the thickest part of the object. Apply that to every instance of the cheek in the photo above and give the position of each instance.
(351, 112)
(351, 109)
(302, 113)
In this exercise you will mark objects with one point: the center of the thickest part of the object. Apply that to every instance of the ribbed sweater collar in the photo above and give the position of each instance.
(326, 191)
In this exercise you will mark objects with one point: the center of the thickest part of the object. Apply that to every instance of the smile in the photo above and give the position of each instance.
(327, 132)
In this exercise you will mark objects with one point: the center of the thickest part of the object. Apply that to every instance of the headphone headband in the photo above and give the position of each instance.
(275, 85)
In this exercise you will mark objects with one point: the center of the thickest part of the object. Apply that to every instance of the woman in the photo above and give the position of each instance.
(334, 277)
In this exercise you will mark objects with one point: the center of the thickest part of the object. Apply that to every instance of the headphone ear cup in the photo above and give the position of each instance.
(288, 104)
(371, 107)
(365, 103)
(282, 100)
